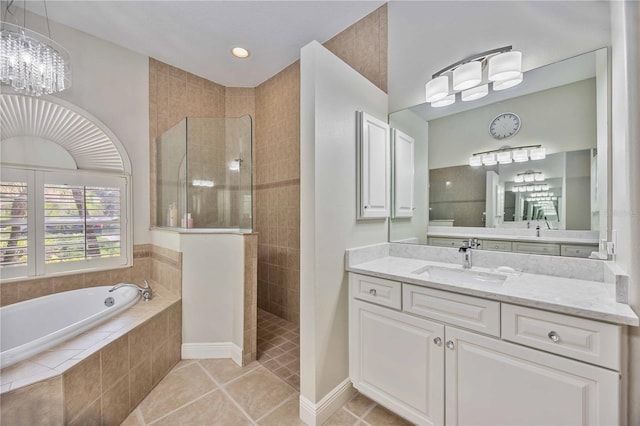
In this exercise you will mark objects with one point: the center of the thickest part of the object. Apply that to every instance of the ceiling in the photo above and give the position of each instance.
(197, 36)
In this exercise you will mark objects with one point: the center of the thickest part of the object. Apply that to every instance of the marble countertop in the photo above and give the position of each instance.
(587, 299)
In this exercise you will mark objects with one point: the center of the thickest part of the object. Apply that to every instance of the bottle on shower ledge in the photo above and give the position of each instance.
(172, 215)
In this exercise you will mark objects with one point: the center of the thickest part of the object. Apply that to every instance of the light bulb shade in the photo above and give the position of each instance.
(448, 100)
(538, 153)
(475, 161)
(505, 66)
(537, 188)
(506, 84)
(475, 93)
(467, 75)
(545, 187)
(504, 157)
(489, 159)
(539, 177)
(32, 63)
(522, 188)
(520, 155)
(529, 188)
(528, 177)
(437, 89)
(519, 179)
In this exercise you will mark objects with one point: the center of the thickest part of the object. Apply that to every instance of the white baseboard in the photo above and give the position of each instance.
(316, 414)
(212, 351)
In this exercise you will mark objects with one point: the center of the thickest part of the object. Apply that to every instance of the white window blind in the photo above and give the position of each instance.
(14, 246)
(81, 222)
(54, 222)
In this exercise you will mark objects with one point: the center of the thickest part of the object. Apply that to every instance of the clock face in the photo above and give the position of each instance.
(505, 125)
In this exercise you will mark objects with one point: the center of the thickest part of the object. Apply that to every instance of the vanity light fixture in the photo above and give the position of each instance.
(30, 62)
(240, 52)
(506, 155)
(204, 183)
(529, 176)
(532, 188)
(471, 76)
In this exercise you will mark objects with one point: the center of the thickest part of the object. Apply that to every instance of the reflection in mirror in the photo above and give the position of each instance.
(560, 198)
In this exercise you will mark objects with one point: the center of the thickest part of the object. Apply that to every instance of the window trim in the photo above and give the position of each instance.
(36, 179)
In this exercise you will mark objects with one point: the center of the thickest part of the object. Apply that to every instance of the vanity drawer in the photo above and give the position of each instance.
(577, 251)
(587, 340)
(376, 290)
(495, 245)
(465, 311)
(447, 242)
(537, 248)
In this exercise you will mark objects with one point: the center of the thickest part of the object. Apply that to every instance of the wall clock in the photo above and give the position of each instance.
(504, 125)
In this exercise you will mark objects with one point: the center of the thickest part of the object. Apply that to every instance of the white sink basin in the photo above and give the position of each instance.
(463, 275)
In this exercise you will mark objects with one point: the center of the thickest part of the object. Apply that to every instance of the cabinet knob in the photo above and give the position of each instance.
(555, 337)
(366, 207)
(450, 344)
(437, 341)
(372, 291)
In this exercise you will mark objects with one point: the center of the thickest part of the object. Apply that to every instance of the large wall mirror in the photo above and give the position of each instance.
(560, 200)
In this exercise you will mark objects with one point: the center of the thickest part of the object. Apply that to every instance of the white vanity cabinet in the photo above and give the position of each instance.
(440, 358)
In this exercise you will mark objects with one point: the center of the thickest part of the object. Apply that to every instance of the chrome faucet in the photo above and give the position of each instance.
(466, 254)
(146, 292)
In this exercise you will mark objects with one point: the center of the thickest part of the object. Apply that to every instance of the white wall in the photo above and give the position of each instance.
(561, 119)
(625, 36)
(415, 227)
(331, 92)
(426, 36)
(212, 270)
(112, 83)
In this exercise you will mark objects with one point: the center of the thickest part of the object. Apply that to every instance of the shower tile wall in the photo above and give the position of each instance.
(277, 161)
(175, 94)
(277, 193)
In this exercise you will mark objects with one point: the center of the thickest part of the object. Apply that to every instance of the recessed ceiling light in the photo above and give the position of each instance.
(240, 52)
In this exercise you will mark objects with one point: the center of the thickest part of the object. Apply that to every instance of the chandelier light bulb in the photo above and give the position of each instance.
(505, 66)
(437, 89)
(489, 159)
(504, 157)
(538, 153)
(467, 75)
(520, 155)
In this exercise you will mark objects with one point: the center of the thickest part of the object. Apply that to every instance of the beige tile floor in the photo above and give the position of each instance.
(219, 392)
(279, 347)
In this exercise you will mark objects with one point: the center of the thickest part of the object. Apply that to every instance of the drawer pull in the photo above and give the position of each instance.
(437, 341)
(372, 292)
(555, 337)
(450, 344)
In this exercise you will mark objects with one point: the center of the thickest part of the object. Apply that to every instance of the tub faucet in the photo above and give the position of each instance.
(145, 291)
(466, 254)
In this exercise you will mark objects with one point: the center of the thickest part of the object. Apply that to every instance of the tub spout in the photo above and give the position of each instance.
(145, 291)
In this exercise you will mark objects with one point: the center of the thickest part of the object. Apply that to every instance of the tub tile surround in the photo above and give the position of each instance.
(572, 286)
(149, 262)
(110, 369)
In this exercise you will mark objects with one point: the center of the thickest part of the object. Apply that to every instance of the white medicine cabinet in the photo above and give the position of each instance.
(373, 145)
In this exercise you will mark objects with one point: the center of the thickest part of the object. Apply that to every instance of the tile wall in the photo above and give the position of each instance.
(249, 344)
(175, 94)
(148, 262)
(277, 161)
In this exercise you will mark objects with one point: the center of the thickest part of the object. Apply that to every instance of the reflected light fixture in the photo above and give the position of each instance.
(471, 76)
(30, 62)
(240, 52)
(506, 155)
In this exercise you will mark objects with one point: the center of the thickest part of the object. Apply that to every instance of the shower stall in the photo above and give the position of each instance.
(204, 174)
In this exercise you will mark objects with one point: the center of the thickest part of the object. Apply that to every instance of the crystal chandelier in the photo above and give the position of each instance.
(30, 62)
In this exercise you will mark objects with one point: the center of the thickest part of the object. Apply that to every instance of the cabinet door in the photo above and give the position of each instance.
(398, 361)
(491, 382)
(403, 165)
(373, 167)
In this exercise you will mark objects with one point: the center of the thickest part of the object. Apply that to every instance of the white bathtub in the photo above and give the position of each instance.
(32, 326)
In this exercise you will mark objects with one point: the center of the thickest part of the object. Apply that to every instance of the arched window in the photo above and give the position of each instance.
(64, 190)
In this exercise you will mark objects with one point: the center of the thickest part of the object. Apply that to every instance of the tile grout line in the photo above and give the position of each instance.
(224, 391)
(296, 395)
(186, 404)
